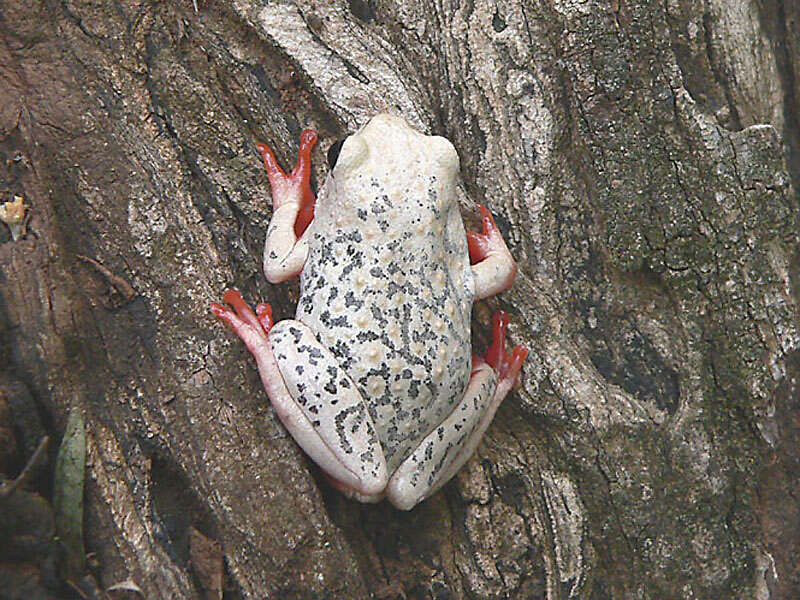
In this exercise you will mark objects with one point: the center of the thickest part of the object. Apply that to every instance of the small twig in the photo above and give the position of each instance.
(8, 489)
(124, 288)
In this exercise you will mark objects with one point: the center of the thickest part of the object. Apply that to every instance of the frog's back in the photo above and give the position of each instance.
(388, 289)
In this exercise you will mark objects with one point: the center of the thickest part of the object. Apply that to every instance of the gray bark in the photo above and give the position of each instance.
(640, 158)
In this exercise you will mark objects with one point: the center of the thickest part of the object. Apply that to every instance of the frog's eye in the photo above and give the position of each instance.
(333, 152)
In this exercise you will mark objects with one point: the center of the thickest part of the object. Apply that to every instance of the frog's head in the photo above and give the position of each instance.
(389, 150)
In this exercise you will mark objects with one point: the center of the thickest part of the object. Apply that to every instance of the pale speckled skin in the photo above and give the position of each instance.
(374, 377)
(387, 285)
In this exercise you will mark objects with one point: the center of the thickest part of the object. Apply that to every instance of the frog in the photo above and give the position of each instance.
(375, 377)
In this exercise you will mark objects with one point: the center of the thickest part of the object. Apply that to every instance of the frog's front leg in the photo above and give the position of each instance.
(444, 451)
(312, 396)
(493, 267)
(286, 246)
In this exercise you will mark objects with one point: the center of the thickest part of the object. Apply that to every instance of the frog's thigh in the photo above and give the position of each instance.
(442, 453)
(339, 434)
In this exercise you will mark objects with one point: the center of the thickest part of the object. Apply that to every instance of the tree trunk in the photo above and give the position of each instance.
(640, 158)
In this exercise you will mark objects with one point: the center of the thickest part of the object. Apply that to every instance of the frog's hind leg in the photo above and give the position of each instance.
(286, 246)
(312, 396)
(334, 409)
(493, 267)
(445, 450)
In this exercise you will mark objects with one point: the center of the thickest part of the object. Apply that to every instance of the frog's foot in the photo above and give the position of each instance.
(285, 250)
(507, 366)
(251, 327)
(294, 188)
(493, 268)
(445, 450)
(264, 315)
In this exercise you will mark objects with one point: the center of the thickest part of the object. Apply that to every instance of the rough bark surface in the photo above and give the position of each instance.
(640, 157)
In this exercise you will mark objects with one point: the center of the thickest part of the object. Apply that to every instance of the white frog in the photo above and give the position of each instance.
(373, 378)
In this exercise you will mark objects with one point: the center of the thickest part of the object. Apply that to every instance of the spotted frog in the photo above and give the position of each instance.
(374, 376)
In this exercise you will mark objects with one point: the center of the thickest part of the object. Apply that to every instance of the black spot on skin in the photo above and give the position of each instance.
(352, 236)
(312, 351)
(356, 262)
(377, 314)
(350, 300)
(339, 321)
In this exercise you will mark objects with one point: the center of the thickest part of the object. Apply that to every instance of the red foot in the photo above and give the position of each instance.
(264, 314)
(261, 320)
(479, 244)
(507, 367)
(298, 182)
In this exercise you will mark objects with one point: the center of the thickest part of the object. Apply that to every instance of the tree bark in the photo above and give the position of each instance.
(641, 159)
